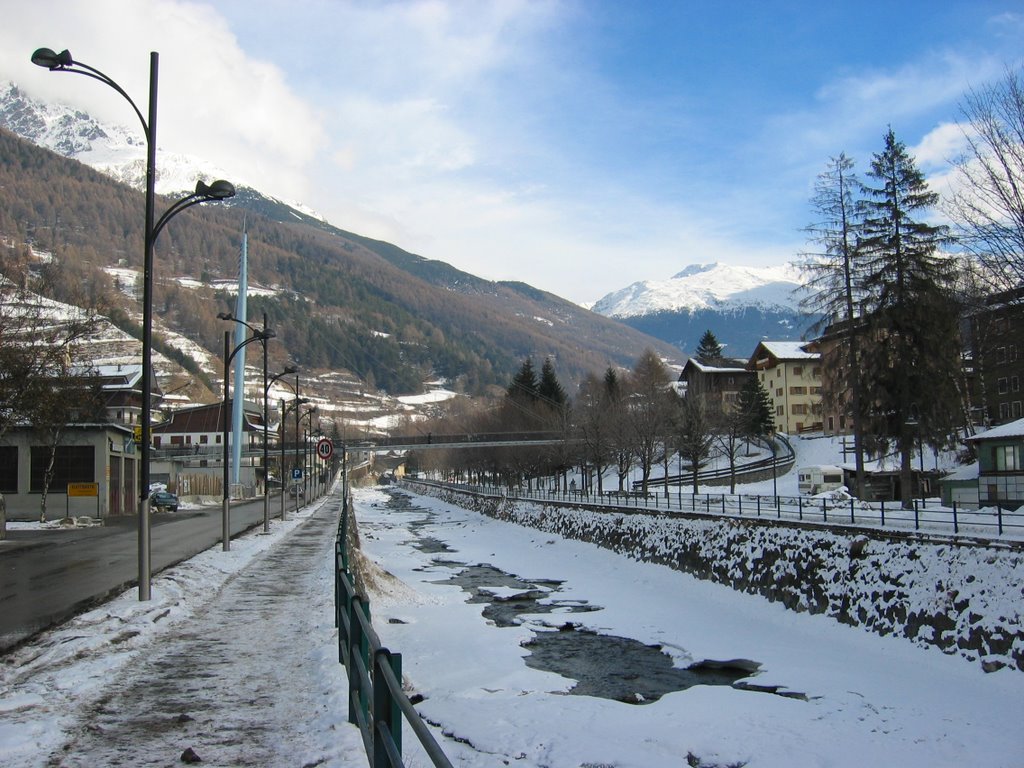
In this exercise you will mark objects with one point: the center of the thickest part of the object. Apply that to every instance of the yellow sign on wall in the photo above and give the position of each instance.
(83, 489)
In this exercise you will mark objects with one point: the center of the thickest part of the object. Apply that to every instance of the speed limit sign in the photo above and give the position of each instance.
(324, 448)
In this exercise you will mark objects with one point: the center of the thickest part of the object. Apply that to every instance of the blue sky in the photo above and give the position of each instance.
(577, 146)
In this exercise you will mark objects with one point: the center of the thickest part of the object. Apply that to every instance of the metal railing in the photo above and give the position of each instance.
(927, 515)
(376, 701)
(780, 462)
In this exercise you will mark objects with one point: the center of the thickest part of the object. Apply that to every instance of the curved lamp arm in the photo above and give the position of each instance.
(218, 190)
(63, 62)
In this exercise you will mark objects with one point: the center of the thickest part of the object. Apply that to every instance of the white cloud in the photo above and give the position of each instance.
(939, 147)
(214, 101)
(484, 134)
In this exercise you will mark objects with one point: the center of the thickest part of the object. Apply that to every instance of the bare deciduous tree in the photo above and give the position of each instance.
(987, 205)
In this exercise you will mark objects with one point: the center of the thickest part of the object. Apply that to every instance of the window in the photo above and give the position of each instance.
(816, 372)
(780, 392)
(1015, 409)
(798, 370)
(800, 408)
(1004, 385)
(9, 469)
(1006, 458)
(798, 390)
(72, 464)
(204, 439)
(1015, 383)
(779, 410)
(1000, 354)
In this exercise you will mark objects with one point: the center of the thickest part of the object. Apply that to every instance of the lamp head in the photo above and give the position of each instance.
(289, 369)
(225, 316)
(266, 333)
(218, 190)
(44, 57)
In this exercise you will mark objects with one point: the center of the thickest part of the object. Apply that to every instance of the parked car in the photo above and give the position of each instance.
(296, 491)
(164, 501)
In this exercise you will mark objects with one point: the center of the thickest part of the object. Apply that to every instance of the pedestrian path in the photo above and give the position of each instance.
(251, 680)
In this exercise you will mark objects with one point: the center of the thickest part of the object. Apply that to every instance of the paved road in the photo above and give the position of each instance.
(46, 577)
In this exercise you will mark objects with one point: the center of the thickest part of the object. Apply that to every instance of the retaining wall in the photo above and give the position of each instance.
(964, 596)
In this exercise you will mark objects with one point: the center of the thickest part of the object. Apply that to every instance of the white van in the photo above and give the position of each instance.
(818, 479)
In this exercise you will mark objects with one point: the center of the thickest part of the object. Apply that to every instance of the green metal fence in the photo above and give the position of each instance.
(376, 702)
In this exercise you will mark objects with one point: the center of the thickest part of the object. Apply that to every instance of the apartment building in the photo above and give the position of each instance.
(791, 375)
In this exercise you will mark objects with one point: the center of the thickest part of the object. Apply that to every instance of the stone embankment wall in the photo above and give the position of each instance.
(962, 596)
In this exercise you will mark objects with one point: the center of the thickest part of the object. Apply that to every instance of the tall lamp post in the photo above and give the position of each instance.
(305, 448)
(263, 335)
(298, 401)
(219, 190)
(229, 354)
(288, 370)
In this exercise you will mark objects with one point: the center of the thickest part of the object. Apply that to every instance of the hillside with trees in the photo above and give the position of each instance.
(338, 301)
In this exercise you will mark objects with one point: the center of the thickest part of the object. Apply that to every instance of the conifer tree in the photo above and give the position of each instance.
(549, 389)
(524, 383)
(756, 408)
(911, 312)
(709, 350)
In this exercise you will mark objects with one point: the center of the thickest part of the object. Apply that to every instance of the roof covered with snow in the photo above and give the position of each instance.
(1011, 429)
(787, 350)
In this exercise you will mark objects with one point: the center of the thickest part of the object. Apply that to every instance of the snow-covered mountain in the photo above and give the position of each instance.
(113, 150)
(740, 305)
(705, 286)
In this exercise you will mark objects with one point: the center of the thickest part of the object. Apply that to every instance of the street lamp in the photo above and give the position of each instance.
(288, 370)
(298, 401)
(319, 435)
(219, 190)
(305, 449)
(265, 334)
(229, 354)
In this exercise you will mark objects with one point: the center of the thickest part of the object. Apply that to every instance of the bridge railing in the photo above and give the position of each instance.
(376, 701)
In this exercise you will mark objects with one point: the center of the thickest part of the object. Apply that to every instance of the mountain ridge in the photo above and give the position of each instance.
(345, 301)
(741, 305)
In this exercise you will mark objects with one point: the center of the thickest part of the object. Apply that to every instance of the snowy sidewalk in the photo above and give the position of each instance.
(246, 677)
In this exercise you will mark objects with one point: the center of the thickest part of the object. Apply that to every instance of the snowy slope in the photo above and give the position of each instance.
(706, 286)
(113, 150)
(740, 305)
